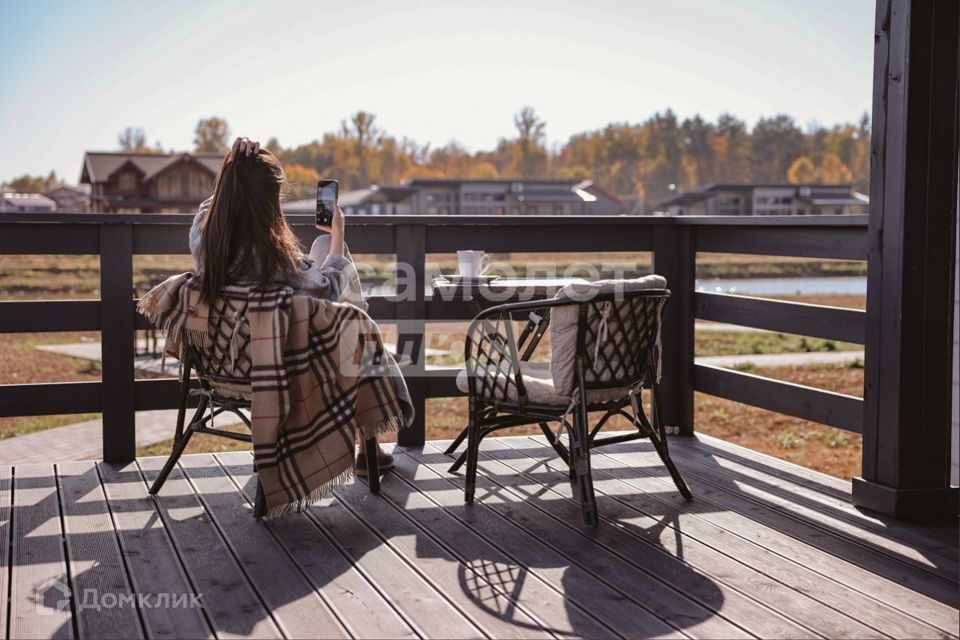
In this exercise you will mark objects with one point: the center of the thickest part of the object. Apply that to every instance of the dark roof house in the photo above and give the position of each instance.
(147, 182)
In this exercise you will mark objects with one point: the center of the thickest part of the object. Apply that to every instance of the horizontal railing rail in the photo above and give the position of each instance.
(673, 241)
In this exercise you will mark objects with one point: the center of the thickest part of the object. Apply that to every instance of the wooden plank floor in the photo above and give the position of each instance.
(766, 549)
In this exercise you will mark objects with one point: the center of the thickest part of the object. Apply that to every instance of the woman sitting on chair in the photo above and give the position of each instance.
(240, 235)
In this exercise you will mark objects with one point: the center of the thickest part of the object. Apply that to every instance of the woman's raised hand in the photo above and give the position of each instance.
(336, 230)
(243, 146)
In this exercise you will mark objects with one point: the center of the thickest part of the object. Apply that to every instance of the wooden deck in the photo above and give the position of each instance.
(766, 549)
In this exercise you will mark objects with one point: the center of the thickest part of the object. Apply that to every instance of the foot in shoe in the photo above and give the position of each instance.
(384, 462)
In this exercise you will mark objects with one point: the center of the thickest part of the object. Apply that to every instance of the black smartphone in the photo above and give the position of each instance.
(327, 193)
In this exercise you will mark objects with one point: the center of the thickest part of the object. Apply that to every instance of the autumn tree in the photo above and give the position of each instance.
(774, 144)
(363, 135)
(530, 152)
(699, 152)
(134, 140)
(661, 164)
(653, 158)
(731, 149)
(832, 170)
(301, 181)
(212, 135)
(34, 184)
(802, 171)
(483, 170)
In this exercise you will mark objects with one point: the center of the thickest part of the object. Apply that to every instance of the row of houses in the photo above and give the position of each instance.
(177, 183)
(63, 198)
(478, 197)
(772, 199)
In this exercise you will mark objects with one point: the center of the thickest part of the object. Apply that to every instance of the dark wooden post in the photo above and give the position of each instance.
(913, 191)
(410, 241)
(674, 258)
(116, 332)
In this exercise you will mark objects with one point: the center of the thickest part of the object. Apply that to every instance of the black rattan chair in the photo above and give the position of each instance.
(223, 376)
(617, 355)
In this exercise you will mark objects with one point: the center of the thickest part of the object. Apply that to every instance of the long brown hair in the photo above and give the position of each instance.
(245, 236)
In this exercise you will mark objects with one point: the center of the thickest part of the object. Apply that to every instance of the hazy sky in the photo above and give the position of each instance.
(75, 73)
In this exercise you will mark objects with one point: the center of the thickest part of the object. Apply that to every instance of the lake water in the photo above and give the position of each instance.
(756, 286)
(787, 286)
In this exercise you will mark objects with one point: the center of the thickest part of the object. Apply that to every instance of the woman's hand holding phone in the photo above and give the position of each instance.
(336, 231)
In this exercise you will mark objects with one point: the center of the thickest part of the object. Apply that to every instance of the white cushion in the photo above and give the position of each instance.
(563, 323)
(540, 389)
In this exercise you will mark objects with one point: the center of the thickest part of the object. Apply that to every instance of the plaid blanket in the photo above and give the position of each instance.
(319, 373)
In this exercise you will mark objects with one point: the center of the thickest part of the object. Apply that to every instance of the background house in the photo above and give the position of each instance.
(149, 183)
(776, 199)
(26, 203)
(477, 197)
(374, 200)
(533, 197)
(71, 198)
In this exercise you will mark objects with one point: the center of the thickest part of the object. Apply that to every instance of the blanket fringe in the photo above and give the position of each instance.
(313, 497)
(172, 325)
(148, 305)
(390, 425)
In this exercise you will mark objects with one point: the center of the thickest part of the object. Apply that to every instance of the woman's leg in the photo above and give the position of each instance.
(351, 292)
(320, 248)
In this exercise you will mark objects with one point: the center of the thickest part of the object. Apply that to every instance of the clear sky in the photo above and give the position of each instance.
(74, 74)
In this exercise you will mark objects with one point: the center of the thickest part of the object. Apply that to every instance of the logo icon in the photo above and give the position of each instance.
(52, 596)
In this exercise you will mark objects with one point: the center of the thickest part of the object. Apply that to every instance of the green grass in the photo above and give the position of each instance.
(201, 442)
(29, 424)
(723, 343)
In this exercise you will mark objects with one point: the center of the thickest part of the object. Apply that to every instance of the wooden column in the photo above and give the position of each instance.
(674, 257)
(410, 243)
(913, 195)
(116, 337)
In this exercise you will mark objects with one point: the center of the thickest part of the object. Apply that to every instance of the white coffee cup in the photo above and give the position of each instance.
(472, 264)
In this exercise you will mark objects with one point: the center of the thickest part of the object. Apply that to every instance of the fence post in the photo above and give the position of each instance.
(117, 334)
(410, 243)
(674, 258)
(913, 208)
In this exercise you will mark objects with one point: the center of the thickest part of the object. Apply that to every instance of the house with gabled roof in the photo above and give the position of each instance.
(148, 182)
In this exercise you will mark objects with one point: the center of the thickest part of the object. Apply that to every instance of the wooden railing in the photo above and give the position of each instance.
(673, 241)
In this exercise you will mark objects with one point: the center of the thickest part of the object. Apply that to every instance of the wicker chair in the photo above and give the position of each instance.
(224, 386)
(616, 355)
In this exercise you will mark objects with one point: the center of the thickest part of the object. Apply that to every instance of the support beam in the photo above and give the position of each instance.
(673, 258)
(913, 195)
(116, 326)
(411, 242)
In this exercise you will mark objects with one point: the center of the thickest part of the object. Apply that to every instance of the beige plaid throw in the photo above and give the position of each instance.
(319, 373)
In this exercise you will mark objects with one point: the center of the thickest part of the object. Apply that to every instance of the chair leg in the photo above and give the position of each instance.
(555, 442)
(457, 442)
(580, 465)
(184, 396)
(460, 460)
(658, 436)
(179, 445)
(463, 456)
(259, 502)
(373, 465)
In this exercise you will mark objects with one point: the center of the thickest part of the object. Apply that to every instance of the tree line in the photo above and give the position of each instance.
(651, 159)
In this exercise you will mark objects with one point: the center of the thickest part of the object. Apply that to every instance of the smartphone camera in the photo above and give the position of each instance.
(327, 193)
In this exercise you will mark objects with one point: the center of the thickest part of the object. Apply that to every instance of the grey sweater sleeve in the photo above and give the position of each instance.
(196, 233)
(326, 280)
